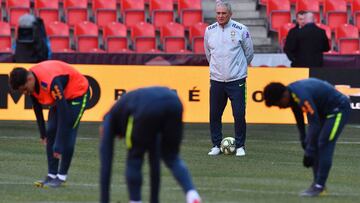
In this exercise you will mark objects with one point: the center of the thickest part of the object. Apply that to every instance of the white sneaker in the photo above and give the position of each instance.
(192, 196)
(240, 151)
(214, 151)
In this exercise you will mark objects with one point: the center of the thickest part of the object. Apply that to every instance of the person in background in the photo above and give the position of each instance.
(327, 113)
(291, 37)
(66, 91)
(32, 44)
(307, 47)
(229, 51)
(150, 120)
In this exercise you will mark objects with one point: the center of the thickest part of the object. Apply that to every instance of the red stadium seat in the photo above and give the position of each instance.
(161, 12)
(347, 38)
(278, 12)
(356, 13)
(59, 36)
(335, 13)
(105, 11)
(133, 12)
(309, 5)
(190, 12)
(115, 37)
(331, 52)
(95, 50)
(15, 9)
(173, 37)
(143, 36)
(86, 36)
(5, 37)
(327, 31)
(47, 10)
(283, 32)
(196, 36)
(75, 11)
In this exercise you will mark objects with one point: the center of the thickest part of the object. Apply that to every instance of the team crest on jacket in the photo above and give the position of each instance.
(43, 85)
(232, 34)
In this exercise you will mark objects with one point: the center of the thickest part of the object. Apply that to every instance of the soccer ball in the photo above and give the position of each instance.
(228, 145)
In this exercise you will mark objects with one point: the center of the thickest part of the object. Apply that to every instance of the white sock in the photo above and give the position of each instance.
(62, 177)
(318, 186)
(132, 201)
(192, 195)
(51, 175)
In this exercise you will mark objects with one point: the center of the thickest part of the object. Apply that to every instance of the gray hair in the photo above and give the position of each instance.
(309, 17)
(27, 21)
(224, 3)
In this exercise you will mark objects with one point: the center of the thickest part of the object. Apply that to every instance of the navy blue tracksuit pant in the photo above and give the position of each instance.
(219, 94)
(330, 131)
(77, 107)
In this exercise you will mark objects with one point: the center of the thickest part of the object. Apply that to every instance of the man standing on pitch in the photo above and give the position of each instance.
(229, 51)
(66, 91)
(327, 112)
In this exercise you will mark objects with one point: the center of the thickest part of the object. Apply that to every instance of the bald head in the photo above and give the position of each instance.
(309, 17)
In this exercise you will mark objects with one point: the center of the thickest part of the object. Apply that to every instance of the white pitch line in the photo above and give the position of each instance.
(269, 192)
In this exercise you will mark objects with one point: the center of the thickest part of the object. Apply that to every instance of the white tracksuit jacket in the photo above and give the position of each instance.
(229, 51)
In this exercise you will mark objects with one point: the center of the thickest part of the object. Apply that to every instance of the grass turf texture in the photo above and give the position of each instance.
(270, 172)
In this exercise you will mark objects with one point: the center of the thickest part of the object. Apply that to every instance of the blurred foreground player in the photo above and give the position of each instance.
(66, 91)
(327, 113)
(150, 120)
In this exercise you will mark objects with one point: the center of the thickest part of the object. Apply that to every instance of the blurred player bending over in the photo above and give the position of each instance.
(327, 113)
(150, 120)
(66, 91)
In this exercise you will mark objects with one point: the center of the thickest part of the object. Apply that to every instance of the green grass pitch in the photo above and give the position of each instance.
(272, 170)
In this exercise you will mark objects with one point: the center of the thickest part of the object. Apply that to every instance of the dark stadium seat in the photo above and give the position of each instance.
(190, 12)
(104, 11)
(75, 11)
(115, 37)
(356, 13)
(132, 11)
(15, 9)
(347, 38)
(196, 37)
(335, 13)
(59, 36)
(47, 10)
(172, 36)
(278, 12)
(5, 37)
(86, 36)
(143, 37)
(161, 12)
(283, 32)
(309, 5)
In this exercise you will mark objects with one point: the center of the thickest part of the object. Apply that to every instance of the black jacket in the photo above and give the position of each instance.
(304, 47)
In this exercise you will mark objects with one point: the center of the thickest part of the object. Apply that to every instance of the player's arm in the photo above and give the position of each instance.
(314, 126)
(206, 45)
(39, 117)
(107, 136)
(247, 45)
(299, 117)
(63, 112)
